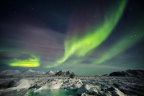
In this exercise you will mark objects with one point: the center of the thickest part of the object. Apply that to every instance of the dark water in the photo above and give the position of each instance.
(60, 92)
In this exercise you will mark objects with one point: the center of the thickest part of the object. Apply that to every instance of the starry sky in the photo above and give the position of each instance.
(88, 37)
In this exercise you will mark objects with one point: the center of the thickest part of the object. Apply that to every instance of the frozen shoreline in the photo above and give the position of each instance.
(82, 85)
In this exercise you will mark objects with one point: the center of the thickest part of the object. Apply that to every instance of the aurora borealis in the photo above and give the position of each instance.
(80, 46)
(123, 44)
(87, 37)
(31, 62)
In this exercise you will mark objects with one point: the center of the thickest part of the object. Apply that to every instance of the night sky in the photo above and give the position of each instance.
(87, 37)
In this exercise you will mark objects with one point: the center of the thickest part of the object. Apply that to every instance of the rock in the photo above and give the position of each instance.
(54, 84)
(72, 83)
(118, 74)
(8, 83)
(31, 72)
(60, 73)
(129, 73)
(64, 73)
(84, 86)
(50, 73)
(10, 72)
(137, 73)
(22, 84)
(115, 92)
(89, 88)
(94, 90)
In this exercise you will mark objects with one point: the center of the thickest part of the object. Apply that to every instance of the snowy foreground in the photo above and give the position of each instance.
(14, 83)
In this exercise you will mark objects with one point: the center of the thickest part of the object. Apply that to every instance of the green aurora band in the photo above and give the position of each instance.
(123, 44)
(80, 46)
(31, 62)
(34, 61)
